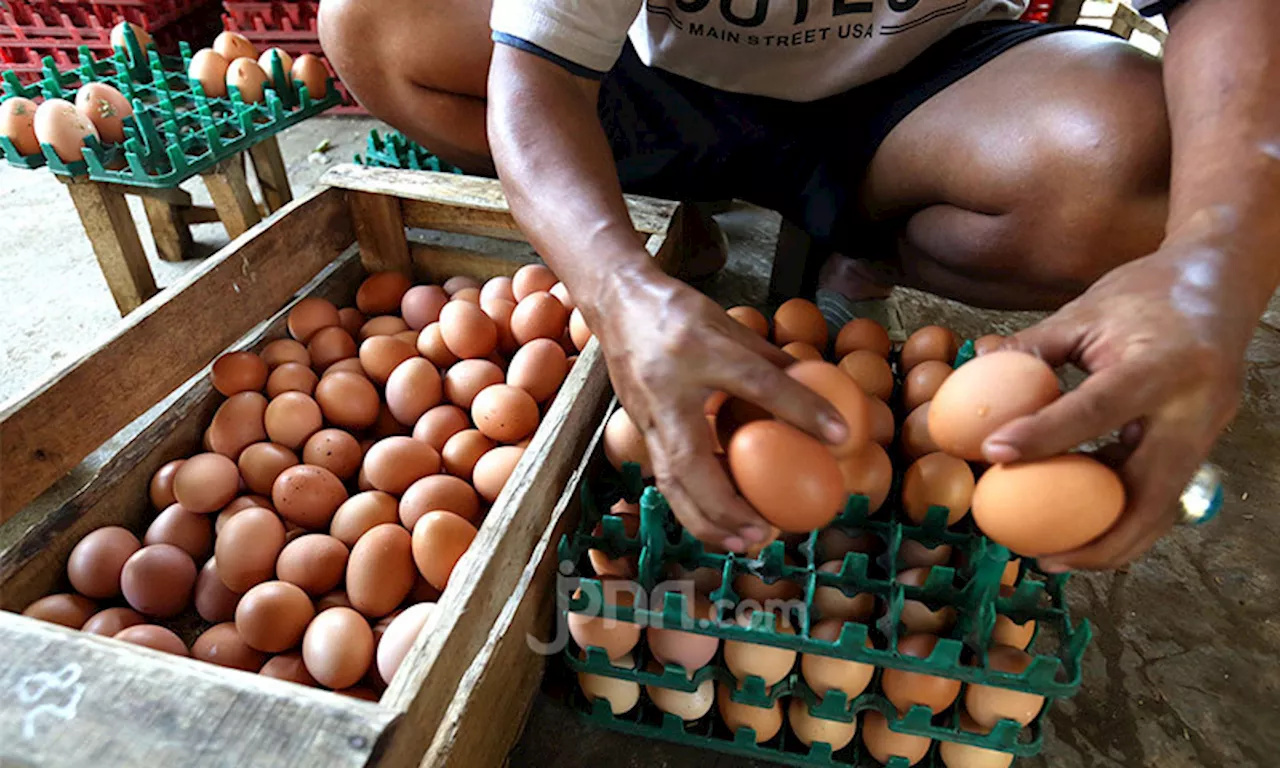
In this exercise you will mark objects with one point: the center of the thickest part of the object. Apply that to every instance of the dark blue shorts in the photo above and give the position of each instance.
(678, 139)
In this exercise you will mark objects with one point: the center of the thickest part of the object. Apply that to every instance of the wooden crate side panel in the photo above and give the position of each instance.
(482, 727)
(46, 433)
(484, 579)
(35, 545)
(74, 700)
(436, 263)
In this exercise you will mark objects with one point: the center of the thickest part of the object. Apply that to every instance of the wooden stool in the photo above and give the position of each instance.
(104, 212)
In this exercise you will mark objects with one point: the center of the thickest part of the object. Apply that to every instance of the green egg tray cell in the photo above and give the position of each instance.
(709, 733)
(396, 150)
(177, 131)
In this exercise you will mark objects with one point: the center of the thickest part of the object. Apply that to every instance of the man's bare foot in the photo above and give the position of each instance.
(849, 288)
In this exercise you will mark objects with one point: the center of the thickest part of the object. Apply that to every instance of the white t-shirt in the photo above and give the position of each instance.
(798, 50)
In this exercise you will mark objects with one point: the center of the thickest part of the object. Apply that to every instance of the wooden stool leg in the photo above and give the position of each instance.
(169, 228)
(105, 215)
(791, 263)
(269, 165)
(231, 196)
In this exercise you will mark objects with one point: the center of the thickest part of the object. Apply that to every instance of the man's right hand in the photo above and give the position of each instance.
(669, 348)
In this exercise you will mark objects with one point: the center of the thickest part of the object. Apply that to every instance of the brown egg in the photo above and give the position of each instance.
(500, 312)
(465, 379)
(809, 729)
(931, 342)
(882, 423)
(908, 689)
(247, 77)
(360, 513)
(233, 45)
(261, 463)
(106, 108)
(439, 424)
(185, 530)
(379, 355)
(749, 586)
(799, 320)
(937, 480)
(17, 123)
(431, 346)
(764, 721)
(209, 68)
(440, 539)
(420, 306)
(751, 318)
(348, 365)
(538, 316)
(463, 450)
(283, 351)
(1075, 499)
(311, 72)
(382, 325)
(399, 637)
(351, 320)
(292, 417)
(238, 423)
(494, 468)
(436, 492)
(918, 617)
(394, 463)
(346, 400)
(288, 666)
(801, 351)
(409, 337)
(916, 440)
(413, 388)
(504, 413)
(884, 744)
(157, 580)
(273, 615)
(835, 387)
(499, 287)
(561, 292)
(161, 488)
(58, 124)
(467, 331)
(863, 333)
(624, 443)
(956, 755)
(530, 279)
(308, 496)
(222, 644)
(914, 554)
(206, 482)
(470, 294)
(606, 631)
(66, 610)
(247, 548)
(869, 473)
(335, 450)
(381, 292)
(154, 637)
(922, 383)
(119, 38)
(984, 395)
(870, 371)
(292, 377)
(769, 663)
(335, 599)
(380, 571)
(791, 479)
(623, 566)
(670, 645)
(539, 368)
(96, 561)
(214, 602)
(987, 344)
(338, 647)
(988, 705)
(329, 345)
(310, 315)
(267, 62)
(111, 621)
(824, 674)
(1010, 633)
(834, 604)
(578, 330)
(315, 562)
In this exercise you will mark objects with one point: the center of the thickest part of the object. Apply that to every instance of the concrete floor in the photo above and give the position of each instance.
(1185, 670)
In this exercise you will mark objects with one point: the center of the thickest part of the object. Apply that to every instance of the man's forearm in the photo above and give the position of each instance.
(1222, 82)
(559, 176)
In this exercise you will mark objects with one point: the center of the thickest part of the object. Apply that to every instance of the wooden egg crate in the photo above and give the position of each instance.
(79, 449)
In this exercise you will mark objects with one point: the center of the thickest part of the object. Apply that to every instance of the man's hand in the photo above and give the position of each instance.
(669, 348)
(1163, 339)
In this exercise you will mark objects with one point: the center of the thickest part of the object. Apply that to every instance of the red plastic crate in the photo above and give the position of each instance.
(1039, 10)
(37, 18)
(273, 22)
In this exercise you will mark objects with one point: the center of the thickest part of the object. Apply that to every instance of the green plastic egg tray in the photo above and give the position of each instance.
(177, 131)
(396, 150)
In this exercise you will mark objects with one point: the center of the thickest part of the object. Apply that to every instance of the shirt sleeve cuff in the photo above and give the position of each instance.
(558, 37)
(528, 47)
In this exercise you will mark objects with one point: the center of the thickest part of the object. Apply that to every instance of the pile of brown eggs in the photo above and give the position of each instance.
(233, 60)
(343, 478)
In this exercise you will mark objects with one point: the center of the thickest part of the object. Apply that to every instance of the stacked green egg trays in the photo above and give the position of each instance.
(395, 150)
(176, 131)
(971, 586)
